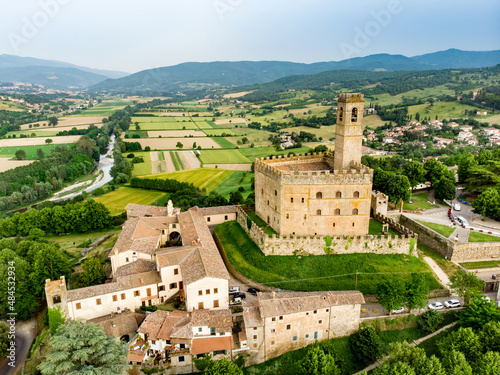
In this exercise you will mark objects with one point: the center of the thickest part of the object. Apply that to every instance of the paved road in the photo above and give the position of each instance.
(22, 347)
(442, 276)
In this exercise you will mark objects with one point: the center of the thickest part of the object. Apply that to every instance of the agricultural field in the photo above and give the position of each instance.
(18, 142)
(374, 121)
(164, 125)
(223, 157)
(431, 92)
(8, 163)
(204, 178)
(223, 142)
(77, 121)
(234, 182)
(106, 108)
(260, 152)
(174, 133)
(117, 200)
(141, 169)
(441, 110)
(10, 152)
(325, 132)
(171, 143)
(203, 125)
(218, 132)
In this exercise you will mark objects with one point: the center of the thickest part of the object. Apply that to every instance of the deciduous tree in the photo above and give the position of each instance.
(466, 284)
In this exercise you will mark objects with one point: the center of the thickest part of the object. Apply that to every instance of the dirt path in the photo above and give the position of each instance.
(442, 276)
(193, 160)
(155, 162)
(169, 164)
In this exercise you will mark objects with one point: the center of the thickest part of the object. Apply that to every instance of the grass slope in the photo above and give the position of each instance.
(203, 178)
(481, 237)
(443, 230)
(320, 272)
(234, 181)
(117, 200)
(223, 157)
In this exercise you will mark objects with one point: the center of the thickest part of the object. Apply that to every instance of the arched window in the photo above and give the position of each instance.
(337, 211)
(356, 194)
(318, 212)
(319, 195)
(341, 113)
(354, 115)
(338, 194)
(355, 211)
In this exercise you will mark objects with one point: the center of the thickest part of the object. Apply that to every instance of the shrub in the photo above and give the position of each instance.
(365, 344)
(429, 321)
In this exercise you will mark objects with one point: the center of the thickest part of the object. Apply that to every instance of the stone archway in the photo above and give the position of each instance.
(125, 338)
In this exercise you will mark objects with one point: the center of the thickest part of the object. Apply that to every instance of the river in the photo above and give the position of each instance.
(105, 163)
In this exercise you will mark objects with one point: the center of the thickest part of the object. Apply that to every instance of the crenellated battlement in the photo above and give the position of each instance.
(350, 98)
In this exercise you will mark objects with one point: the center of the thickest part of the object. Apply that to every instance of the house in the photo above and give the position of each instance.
(159, 254)
(490, 131)
(481, 113)
(466, 128)
(442, 142)
(453, 124)
(472, 141)
(280, 322)
(464, 135)
(436, 124)
(369, 111)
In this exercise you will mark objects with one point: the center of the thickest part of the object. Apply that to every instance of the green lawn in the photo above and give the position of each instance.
(223, 142)
(141, 169)
(421, 202)
(223, 157)
(318, 272)
(30, 151)
(376, 227)
(234, 181)
(260, 223)
(443, 230)
(116, 200)
(481, 264)
(203, 178)
(259, 152)
(482, 237)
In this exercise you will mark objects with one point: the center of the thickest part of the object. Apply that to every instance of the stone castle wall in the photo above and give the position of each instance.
(321, 245)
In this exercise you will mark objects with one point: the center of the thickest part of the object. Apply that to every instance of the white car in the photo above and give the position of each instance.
(462, 221)
(234, 289)
(236, 301)
(451, 303)
(398, 311)
(457, 207)
(497, 303)
(435, 306)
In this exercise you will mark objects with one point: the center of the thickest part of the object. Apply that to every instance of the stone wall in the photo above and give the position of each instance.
(475, 250)
(321, 245)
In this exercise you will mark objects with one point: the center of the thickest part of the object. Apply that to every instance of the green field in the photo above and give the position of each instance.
(482, 237)
(177, 161)
(223, 142)
(443, 230)
(117, 200)
(203, 125)
(234, 181)
(149, 119)
(166, 125)
(317, 272)
(260, 152)
(223, 157)
(38, 133)
(106, 108)
(421, 203)
(218, 132)
(30, 151)
(375, 227)
(141, 169)
(441, 110)
(203, 178)
(481, 264)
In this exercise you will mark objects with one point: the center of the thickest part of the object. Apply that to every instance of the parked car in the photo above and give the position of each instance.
(241, 295)
(451, 303)
(497, 303)
(253, 291)
(457, 207)
(484, 298)
(495, 276)
(398, 311)
(462, 221)
(435, 306)
(234, 289)
(235, 301)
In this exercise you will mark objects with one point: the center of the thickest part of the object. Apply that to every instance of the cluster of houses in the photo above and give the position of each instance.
(164, 258)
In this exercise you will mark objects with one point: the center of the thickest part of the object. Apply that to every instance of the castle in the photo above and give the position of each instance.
(319, 194)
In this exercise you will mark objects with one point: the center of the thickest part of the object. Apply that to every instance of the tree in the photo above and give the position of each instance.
(415, 357)
(84, 348)
(391, 294)
(466, 285)
(478, 313)
(4, 339)
(365, 344)
(235, 197)
(415, 172)
(396, 368)
(490, 336)
(179, 145)
(488, 364)
(463, 340)
(455, 363)
(445, 189)
(416, 292)
(49, 263)
(488, 203)
(223, 367)
(466, 163)
(56, 319)
(93, 273)
(48, 141)
(53, 120)
(317, 362)
(203, 363)
(40, 154)
(21, 155)
(429, 321)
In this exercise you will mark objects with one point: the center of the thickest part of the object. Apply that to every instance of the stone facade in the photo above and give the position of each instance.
(321, 245)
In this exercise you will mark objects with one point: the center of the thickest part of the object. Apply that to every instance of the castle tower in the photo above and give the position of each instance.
(56, 294)
(349, 130)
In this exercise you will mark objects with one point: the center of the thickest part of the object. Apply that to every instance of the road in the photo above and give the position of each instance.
(22, 347)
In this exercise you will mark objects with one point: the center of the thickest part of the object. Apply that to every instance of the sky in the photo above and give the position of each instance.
(135, 35)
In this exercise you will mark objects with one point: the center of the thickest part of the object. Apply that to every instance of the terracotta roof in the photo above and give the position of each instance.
(135, 356)
(140, 266)
(221, 320)
(172, 320)
(251, 314)
(283, 303)
(173, 256)
(209, 344)
(118, 284)
(118, 325)
(139, 210)
(217, 210)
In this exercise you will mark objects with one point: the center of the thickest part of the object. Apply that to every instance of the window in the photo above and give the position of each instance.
(78, 306)
(305, 217)
(212, 331)
(354, 115)
(291, 200)
(126, 260)
(315, 311)
(294, 338)
(200, 329)
(148, 292)
(208, 219)
(302, 200)
(287, 216)
(341, 113)
(273, 331)
(355, 211)
(255, 328)
(275, 193)
(153, 342)
(200, 306)
(115, 298)
(255, 337)
(174, 225)
(123, 296)
(173, 286)
(181, 358)
(255, 345)
(216, 303)
(56, 299)
(207, 291)
(200, 292)
(218, 352)
(318, 212)
(334, 225)
(182, 346)
(273, 319)
(338, 194)
(98, 301)
(316, 335)
(281, 317)
(320, 321)
(356, 194)
(137, 293)
(319, 195)
(288, 327)
(161, 288)
(272, 342)
(262, 191)
(216, 290)
(352, 224)
(225, 217)
(268, 203)
(337, 211)
(307, 335)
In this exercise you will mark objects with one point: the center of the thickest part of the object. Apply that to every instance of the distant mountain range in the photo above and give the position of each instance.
(195, 75)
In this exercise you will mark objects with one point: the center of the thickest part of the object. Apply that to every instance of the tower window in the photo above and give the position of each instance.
(354, 115)
(337, 211)
(262, 191)
(291, 200)
(318, 212)
(275, 193)
(355, 211)
(334, 225)
(319, 195)
(287, 216)
(356, 194)
(302, 200)
(341, 113)
(305, 217)
(352, 224)
(338, 194)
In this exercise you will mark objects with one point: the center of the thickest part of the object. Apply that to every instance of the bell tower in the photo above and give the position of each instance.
(349, 130)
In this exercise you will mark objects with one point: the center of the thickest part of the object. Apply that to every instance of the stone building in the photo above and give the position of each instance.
(319, 194)
(280, 322)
